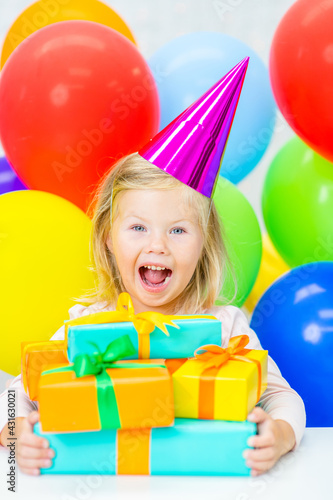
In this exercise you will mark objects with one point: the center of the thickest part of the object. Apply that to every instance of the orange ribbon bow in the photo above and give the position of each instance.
(214, 357)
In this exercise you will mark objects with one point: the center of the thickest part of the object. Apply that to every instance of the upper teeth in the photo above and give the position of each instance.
(155, 268)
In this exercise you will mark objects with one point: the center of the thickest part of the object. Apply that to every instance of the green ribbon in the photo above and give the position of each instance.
(96, 364)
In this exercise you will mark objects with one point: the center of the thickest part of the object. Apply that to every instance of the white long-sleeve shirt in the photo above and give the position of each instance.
(279, 400)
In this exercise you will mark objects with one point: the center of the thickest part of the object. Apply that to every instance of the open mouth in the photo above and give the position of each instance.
(154, 279)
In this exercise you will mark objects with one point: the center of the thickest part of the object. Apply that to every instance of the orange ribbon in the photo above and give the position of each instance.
(133, 451)
(214, 357)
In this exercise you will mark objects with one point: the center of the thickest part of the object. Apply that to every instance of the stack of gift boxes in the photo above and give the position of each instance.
(145, 394)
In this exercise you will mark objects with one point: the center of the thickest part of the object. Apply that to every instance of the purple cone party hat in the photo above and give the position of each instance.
(191, 147)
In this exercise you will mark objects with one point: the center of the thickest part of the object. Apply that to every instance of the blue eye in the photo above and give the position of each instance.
(178, 229)
(134, 227)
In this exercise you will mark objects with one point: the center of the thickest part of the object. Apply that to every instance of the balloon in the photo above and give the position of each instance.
(44, 259)
(46, 12)
(243, 239)
(294, 321)
(189, 65)
(298, 204)
(301, 72)
(74, 97)
(8, 179)
(271, 268)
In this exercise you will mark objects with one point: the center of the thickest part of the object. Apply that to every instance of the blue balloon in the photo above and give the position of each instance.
(294, 321)
(187, 66)
(8, 178)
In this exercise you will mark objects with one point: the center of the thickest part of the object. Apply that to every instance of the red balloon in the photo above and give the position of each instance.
(72, 95)
(301, 71)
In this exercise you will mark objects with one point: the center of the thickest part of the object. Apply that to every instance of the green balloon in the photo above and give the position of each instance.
(242, 239)
(297, 204)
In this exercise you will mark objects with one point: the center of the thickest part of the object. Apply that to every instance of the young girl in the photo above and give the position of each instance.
(159, 239)
(158, 221)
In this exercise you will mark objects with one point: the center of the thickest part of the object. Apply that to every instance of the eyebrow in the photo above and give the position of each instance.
(143, 219)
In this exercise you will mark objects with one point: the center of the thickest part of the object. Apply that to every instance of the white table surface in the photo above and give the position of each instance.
(304, 474)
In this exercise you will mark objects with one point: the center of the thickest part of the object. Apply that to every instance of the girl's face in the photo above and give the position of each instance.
(153, 228)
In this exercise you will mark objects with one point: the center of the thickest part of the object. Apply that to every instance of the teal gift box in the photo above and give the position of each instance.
(190, 447)
(154, 335)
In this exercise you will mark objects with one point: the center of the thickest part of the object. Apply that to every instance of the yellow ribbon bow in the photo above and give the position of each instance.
(144, 322)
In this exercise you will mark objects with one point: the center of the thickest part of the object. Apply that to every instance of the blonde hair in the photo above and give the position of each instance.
(134, 172)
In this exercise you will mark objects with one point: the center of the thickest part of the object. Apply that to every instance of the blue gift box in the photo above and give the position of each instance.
(190, 447)
(181, 342)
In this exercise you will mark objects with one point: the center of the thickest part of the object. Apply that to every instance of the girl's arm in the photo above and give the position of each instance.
(275, 438)
(7, 432)
(280, 412)
(23, 406)
(33, 452)
(282, 402)
(280, 416)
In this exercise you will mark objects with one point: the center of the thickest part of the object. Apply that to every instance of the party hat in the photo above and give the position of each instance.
(191, 147)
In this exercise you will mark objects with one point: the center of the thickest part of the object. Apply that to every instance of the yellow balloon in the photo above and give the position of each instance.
(44, 259)
(46, 12)
(272, 267)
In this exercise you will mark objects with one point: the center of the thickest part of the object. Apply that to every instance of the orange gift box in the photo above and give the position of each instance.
(98, 394)
(35, 357)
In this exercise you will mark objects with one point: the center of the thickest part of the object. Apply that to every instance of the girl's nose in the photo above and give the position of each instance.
(157, 244)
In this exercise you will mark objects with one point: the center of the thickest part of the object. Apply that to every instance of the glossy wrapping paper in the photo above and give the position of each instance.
(191, 147)
(190, 447)
(129, 397)
(226, 392)
(36, 356)
(147, 331)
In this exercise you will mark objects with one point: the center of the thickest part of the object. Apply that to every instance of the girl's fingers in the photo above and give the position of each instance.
(255, 472)
(30, 439)
(29, 463)
(30, 421)
(262, 440)
(260, 454)
(260, 466)
(32, 472)
(258, 415)
(33, 451)
(30, 452)
(260, 460)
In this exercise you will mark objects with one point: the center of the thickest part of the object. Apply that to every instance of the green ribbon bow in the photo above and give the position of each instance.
(96, 364)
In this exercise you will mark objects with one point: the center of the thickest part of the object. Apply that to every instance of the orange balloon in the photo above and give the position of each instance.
(71, 96)
(46, 12)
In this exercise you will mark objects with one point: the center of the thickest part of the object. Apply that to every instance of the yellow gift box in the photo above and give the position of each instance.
(220, 384)
(36, 356)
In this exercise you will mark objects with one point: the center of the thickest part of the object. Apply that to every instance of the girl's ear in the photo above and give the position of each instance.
(109, 243)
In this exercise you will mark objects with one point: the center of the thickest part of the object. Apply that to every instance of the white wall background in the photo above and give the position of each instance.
(155, 22)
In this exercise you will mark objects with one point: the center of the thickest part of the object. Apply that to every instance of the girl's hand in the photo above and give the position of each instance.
(276, 437)
(33, 451)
